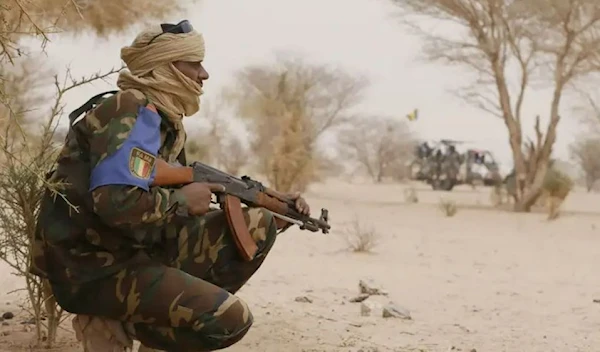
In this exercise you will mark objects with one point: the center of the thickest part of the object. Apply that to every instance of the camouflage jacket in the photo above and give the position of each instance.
(107, 167)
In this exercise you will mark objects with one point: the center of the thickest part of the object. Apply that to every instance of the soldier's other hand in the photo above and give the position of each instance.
(199, 195)
(300, 203)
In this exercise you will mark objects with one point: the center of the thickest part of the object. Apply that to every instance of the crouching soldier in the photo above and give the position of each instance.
(131, 259)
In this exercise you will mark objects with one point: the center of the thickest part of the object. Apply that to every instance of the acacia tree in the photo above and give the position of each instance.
(557, 41)
(289, 106)
(379, 145)
(586, 153)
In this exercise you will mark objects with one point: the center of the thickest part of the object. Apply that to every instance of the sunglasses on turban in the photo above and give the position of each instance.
(180, 28)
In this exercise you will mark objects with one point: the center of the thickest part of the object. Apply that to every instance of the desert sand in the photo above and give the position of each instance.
(483, 280)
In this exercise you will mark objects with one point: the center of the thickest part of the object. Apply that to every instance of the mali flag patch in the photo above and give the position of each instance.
(141, 163)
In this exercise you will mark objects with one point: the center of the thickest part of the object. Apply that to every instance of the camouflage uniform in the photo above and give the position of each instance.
(131, 252)
(450, 164)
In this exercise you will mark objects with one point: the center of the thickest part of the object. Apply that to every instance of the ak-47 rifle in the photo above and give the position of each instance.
(237, 191)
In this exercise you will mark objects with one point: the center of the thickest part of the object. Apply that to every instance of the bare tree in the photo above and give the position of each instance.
(379, 145)
(233, 156)
(203, 145)
(587, 107)
(27, 82)
(586, 153)
(289, 105)
(196, 148)
(218, 144)
(556, 41)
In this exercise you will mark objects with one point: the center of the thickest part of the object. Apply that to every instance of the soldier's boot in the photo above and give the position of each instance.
(99, 334)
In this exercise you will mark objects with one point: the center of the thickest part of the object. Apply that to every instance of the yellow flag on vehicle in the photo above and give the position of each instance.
(414, 115)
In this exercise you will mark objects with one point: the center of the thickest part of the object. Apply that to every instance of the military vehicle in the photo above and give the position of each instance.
(447, 163)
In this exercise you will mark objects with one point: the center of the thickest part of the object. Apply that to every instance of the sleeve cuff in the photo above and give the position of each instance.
(180, 203)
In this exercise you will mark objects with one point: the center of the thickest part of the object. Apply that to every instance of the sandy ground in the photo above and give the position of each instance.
(483, 280)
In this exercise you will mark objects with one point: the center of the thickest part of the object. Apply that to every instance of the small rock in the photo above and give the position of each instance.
(359, 298)
(303, 299)
(473, 350)
(369, 288)
(392, 310)
(463, 328)
(8, 315)
(5, 333)
(597, 300)
(5, 323)
(367, 307)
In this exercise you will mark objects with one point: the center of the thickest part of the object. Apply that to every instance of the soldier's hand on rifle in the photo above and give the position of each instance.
(300, 203)
(199, 195)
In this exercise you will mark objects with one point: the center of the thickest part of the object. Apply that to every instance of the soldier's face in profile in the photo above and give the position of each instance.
(193, 70)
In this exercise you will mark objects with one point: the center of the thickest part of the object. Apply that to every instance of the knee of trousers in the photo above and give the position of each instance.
(230, 326)
(263, 228)
(271, 228)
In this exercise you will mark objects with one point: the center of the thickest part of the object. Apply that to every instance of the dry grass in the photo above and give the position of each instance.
(410, 195)
(359, 237)
(557, 186)
(499, 196)
(448, 207)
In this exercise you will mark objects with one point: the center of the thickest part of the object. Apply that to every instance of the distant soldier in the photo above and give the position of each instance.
(451, 162)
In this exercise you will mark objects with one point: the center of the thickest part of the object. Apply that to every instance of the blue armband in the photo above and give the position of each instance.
(134, 163)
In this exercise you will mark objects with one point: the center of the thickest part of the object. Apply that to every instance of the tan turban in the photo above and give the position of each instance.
(151, 71)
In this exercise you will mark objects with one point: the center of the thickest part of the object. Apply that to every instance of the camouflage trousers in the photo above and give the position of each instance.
(187, 305)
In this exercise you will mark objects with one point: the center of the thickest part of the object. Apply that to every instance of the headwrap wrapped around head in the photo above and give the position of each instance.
(150, 70)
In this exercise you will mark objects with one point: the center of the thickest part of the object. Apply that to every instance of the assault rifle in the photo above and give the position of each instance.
(237, 191)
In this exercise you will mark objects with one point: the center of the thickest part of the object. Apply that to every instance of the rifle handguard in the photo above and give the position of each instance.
(272, 204)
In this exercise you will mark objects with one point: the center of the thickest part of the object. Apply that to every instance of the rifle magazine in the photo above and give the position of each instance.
(241, 236)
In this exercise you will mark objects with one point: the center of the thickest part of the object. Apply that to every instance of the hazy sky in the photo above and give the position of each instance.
(360, 35)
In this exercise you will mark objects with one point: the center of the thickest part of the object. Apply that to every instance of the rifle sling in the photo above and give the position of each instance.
(241, 236)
